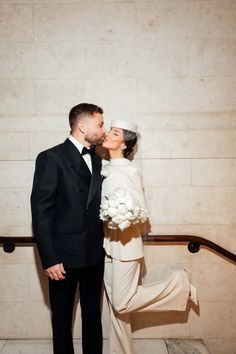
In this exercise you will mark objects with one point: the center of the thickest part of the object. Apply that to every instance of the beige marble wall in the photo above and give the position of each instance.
(169, 65)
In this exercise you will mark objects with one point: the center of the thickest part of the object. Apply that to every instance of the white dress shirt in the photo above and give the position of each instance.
(79, 146)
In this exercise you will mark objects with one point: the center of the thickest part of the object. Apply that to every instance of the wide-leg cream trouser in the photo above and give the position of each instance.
(125, 295)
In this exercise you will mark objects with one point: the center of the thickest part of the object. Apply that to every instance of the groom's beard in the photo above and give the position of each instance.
(93, 139)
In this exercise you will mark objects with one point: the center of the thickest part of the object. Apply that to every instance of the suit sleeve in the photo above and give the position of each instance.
(144, 225)
(139, 190)
(43, 207)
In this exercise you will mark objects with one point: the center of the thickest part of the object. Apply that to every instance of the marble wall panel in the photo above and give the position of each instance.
(188, 144)
(57, 97)
(17, 97)
(214, 57)
(217, 21)
(161, 58)
(44, 140)
(116, 95)
(22, 318)
(55, 22)
(16, 173)
(35, 123)
(168, 172)
(15, 206)
(203, 205)
(163, 20)
(214, 172)
(17, 60)
(106, 59)
(15, 283)
(16, 16)
(21, 255)
(217, 279)
(215, 320)
(158, 121)
(195, 19)
(212, 121)
(13, 146)
(59, 60)
(186, 94)
(221, 346)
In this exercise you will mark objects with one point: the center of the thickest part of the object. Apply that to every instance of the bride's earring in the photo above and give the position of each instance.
(123, 147)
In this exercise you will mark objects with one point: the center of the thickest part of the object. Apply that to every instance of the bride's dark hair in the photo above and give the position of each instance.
(130, 140)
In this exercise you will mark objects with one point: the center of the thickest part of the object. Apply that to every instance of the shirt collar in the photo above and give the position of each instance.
(76, 143)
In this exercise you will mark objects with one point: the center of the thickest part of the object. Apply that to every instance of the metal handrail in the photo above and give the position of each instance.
(194, 243)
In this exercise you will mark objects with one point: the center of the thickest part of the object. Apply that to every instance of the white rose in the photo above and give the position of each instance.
(103, 216)
(129, 203)
(112, 212)
(136, 212)
(118, 219)
(114, 203)
(104, 204)
(122, 209)
(105, 212)
(130, 216)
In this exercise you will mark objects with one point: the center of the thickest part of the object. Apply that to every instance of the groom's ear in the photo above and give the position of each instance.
(81, 126)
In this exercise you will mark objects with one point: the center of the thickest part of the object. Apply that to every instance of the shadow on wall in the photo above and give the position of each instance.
(139, 320)
(152, 319)
(41, 277)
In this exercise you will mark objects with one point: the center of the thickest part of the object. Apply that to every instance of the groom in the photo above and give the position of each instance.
(65, 203)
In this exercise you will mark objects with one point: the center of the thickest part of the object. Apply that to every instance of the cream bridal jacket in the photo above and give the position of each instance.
(123, 245)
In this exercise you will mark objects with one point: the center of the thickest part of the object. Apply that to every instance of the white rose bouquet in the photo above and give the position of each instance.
(121, 210)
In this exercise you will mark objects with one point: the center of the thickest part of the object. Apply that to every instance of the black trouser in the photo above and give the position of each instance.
(62, 298)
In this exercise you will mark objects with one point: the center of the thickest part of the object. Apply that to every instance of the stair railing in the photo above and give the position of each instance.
(194, 243)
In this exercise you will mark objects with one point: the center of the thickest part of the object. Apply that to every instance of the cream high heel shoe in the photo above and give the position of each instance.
(193, 294)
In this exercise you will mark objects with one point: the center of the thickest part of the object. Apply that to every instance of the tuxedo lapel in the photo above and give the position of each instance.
(77, 162)
(95, 178)
(80, 167)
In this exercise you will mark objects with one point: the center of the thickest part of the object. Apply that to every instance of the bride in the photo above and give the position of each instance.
(123, 244)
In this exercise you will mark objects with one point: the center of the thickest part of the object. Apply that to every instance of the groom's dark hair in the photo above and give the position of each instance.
(83, 110)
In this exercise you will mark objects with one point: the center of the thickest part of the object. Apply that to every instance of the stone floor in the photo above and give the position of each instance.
(147, 346)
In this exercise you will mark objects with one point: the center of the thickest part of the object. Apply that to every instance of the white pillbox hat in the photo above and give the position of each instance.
(124, 125)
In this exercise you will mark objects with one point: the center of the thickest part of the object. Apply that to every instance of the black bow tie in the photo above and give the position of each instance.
(90, 151)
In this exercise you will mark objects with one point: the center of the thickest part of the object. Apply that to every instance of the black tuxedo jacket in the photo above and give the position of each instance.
(65, 204)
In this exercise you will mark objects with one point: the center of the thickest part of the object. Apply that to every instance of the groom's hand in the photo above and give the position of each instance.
(56, 272)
